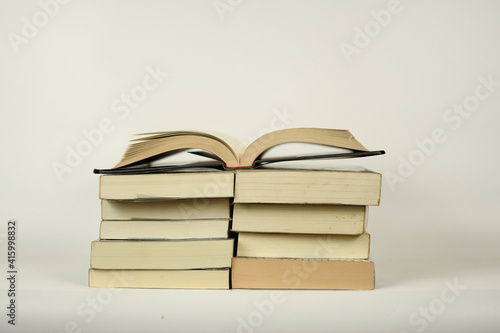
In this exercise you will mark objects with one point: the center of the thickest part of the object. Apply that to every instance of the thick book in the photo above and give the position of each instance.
(185, 254)
(253, 273)
(150, 147)
(204, 208)
(160, 278)
(289, 186)
(296, 218)
(170, 229)
(303, 246)
(179, 185)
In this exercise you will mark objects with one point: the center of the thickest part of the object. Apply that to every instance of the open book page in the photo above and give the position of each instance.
(153, 146)
(225, 139)
(320, 136)
(150, 147)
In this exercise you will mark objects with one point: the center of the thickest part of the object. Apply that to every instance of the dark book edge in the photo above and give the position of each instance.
(216, 164)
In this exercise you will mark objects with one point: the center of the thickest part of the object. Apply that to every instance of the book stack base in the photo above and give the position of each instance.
(303, 229)
(253, 273)
(164, 231)
(164, 279)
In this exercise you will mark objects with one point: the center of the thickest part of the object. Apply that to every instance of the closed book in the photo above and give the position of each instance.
(297, 218)
(199, 208)
(160, 278)
(253, 273)
(303, 246)
(171, 229)
(185, 254)
(296, 186)
(175, 185)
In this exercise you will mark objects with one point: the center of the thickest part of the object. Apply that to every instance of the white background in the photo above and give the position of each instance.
(233, 72)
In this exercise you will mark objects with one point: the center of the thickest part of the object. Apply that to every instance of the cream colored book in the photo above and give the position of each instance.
(177, 185)
(252, 273)
(307, 187)
(296, 218)
(171, 229)
(151, 146)
(303, 246)
(201, 208)
(146, 278)
(187, 254)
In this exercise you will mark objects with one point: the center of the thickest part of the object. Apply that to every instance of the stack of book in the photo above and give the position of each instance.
(165, 230)
(303, 229)
(166, 226)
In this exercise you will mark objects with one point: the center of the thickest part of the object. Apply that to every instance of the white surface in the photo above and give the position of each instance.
(440, 224)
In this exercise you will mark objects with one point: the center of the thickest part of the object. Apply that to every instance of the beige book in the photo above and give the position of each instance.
(307, 187)
(171, 229)
(151, 146)
(178, 279)
(200, 208)
(295, 218)
(252, 273)
(303, 246)
(167, 186)
(186, 254)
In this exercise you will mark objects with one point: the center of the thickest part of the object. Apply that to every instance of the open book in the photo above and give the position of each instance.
(150, 147)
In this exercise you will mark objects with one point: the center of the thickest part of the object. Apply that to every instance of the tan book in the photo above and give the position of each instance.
(151, 146)
(187, 254)
(200, 208)
(303, 246)
(171, 229)
(252, 273)
(177, 185)
(307, 187)
(178, 279)
(295, 218)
